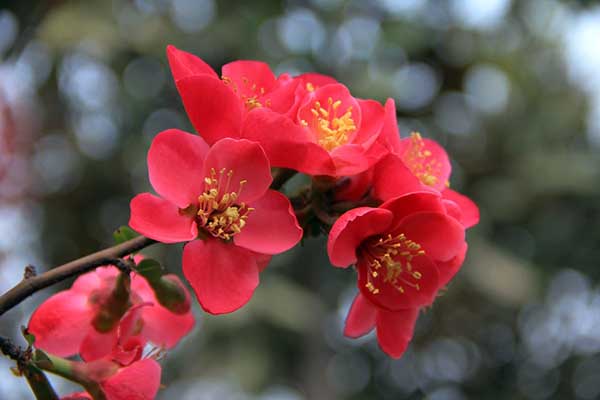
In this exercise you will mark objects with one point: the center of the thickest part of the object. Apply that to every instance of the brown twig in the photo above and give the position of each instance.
(109, 256)
(37, 380)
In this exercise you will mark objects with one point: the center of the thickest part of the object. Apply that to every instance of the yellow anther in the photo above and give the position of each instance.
(419, 162)
(332, 130)
(218, 211)
(395, 255)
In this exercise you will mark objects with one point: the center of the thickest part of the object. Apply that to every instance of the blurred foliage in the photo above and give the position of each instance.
(494, 82)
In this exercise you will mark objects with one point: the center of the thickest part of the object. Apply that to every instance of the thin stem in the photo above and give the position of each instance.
(37, 380)
(30, 285)
(70, 370)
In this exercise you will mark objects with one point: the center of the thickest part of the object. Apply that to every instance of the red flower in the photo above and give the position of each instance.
(404, 251)
(216, 106)
(138, 381)
(221, 194)
(310, 123)
(122, 373)
(62, 325)
(416, 164)
(398, 248)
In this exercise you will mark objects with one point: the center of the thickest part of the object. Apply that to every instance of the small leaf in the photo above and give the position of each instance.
(124, 234)
(150, 269)
(29, 337)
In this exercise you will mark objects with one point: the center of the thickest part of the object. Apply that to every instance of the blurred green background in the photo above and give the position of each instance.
(511, 89)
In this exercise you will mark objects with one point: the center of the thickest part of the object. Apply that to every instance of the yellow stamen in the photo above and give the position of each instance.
(331, 130)
(418, 160)
(218, 211)
(393, 256)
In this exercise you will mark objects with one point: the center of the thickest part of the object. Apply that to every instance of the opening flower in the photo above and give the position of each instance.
(400, 249)
(414, 164)
(64, 324)
(220, 195)
(309, 123)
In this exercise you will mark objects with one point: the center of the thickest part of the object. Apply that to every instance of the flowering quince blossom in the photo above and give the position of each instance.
(220, 194)
(415, 163)
(123, 374)
(63, 325)
(405, 251)
(309, 123)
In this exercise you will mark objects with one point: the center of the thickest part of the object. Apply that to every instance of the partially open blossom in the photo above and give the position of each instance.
(217, 104)
(221, 195)
(414, 164)
(400, 249)
(122, 373)
(64, 324)
(404, 251)
(394, 328)
(309, 123)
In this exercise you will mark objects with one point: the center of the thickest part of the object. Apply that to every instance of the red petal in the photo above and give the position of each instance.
(325, 95)
(97, 345)
(390, 135)
(160, 220)
(286, 144)
(262, 260)
(427, 160)
(361, 317)
(214, 109)
(411, 203)
(139, 381)
(395, 330)
(157, 317)
(272, 227)
(248, 162)
(100, 277)
(175, 166)
(351, 229)
(61, 322)
(316, 80)
(469, 210)
(393, 179)
(184, 64)
(412, 288)
(350, 159)
(282, 97)
(441, 236)
(448, 269)
(223, 275)
(77, 396)
(248, 78)
(372, 120)
(452, 209)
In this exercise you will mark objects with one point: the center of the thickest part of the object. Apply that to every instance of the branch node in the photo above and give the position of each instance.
(29, 272)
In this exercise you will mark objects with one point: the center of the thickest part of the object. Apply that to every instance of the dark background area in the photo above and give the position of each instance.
(510, 88)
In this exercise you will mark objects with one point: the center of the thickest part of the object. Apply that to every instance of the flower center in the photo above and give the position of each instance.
(389, 259)
(332, 128)
(249, 93)
(218, 211)
(417, 158)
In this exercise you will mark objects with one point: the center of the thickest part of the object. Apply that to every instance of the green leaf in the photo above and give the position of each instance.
(150, 269)
(124, 234)
(29, 337)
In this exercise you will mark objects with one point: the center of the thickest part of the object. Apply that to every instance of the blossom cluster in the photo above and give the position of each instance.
(384, 201)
